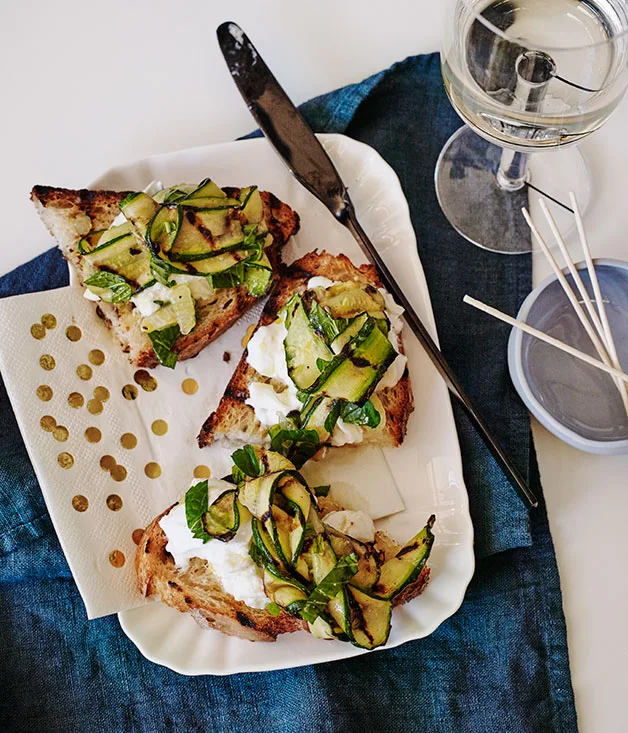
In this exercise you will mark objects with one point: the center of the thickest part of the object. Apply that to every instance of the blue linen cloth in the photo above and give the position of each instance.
(499, 664)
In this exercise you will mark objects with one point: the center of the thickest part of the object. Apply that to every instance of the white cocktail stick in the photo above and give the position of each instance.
(603, 331)
(595, 284)
(599, 346)
(574, 272)
(523, 326)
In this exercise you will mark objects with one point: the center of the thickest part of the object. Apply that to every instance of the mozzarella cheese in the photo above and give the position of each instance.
(356, 524)
(229, 561)
(267, 355)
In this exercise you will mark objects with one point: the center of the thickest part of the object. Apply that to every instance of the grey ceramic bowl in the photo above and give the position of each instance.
(576, 402)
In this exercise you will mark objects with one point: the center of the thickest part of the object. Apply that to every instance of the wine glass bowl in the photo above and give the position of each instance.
(527, 76)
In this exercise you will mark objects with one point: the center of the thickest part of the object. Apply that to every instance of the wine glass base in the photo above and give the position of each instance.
(489, 216)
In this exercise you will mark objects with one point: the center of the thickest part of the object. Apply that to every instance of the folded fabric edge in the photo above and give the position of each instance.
(15, 538)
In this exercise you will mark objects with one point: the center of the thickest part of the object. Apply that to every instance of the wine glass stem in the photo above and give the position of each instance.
(512, 173)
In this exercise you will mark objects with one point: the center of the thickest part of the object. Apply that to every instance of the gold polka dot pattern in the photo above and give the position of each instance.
(114, 502)
(146, 380)
(152, 470)
(137, 535)
(44, 392)
(94, 407)
(93, 435)
(117, 559)
(48, 423)
(49, 321)
(189, 386)
(65, 460)
(61, 433)
(159, 427)
(80, 503)
(76, 400)
(107, 463)
(202, 472)
(84, 372)
(96, 357)
(129, 392)
(73, 333)
(38, 331)
(101, 394)
(118, 473)
(128, 441)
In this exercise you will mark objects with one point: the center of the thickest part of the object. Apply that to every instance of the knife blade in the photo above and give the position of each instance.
(295, 143)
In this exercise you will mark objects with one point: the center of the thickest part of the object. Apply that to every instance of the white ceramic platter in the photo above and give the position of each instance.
(427, 467)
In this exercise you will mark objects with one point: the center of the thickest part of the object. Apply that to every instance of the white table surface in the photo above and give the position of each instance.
(86, 86)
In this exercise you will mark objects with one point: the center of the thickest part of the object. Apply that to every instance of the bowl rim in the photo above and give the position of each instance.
(515, 367)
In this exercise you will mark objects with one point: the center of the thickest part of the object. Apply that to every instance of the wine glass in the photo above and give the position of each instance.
(527, 76)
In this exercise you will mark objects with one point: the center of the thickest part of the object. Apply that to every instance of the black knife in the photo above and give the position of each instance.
(297, 146)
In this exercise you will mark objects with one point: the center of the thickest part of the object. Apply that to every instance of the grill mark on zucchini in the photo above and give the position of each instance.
(105, 268)
(298, 569)
(357, 618)
(359, 361)
(408, 548)
(194, 220)
(206, 233)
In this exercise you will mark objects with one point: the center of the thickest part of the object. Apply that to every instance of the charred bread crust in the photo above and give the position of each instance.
(198, 593)
(232, 414)
(70, 214)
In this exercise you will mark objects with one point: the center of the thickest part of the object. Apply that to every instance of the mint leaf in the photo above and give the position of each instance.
(121, 291)
(230, 278)
(321, 490)
(163, 342)
(174, 194)
(196, 504)
(333, 415)
(161, 271)
(365, 414)
(329, 587)
(296, 445)
(246, 464)
(325, 324)
(250, 233)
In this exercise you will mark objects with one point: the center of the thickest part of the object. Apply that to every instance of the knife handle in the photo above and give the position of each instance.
(346, 215)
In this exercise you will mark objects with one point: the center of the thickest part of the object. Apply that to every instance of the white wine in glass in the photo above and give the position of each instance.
(526, 76)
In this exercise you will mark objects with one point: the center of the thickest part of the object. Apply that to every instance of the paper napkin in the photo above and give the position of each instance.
(113, 446)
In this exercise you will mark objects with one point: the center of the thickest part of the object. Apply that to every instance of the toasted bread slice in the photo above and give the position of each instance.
(70, 215)
(233, 422)
(197, 590)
